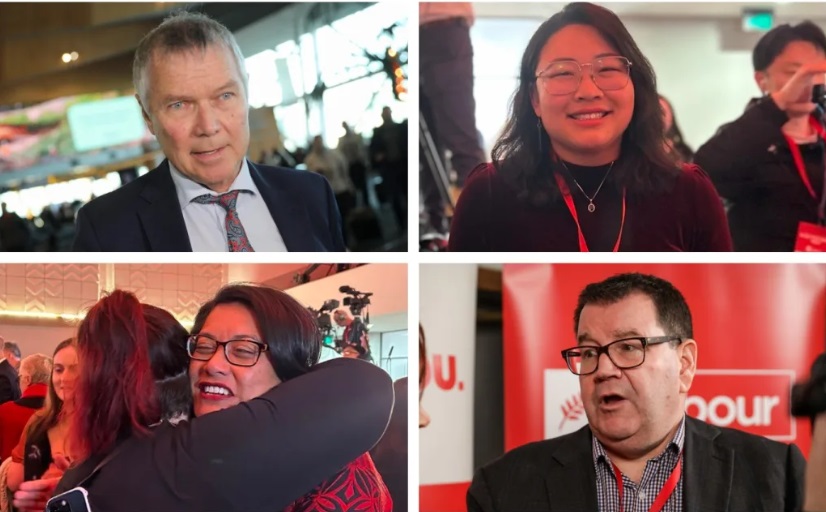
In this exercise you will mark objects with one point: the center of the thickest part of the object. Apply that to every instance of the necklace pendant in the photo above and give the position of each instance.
(591, 207)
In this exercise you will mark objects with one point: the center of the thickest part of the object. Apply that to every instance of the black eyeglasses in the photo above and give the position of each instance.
(238, 351)
(624, 354)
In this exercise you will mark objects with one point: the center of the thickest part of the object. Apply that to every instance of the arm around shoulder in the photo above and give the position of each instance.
(297, 434)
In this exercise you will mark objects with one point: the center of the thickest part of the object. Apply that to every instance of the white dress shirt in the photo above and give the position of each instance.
(205, 222)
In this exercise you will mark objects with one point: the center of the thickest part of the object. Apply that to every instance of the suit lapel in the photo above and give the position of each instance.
(161, 218)
(286, 210)
(709, 469)
(572, 465)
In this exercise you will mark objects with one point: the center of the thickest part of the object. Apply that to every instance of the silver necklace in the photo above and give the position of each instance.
(591, 206)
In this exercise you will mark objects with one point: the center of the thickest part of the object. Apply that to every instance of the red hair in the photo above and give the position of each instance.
(116, 394)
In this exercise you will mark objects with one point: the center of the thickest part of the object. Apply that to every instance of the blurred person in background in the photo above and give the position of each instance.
(581, 164)
(15, 232)
(675, 144)
(424, 418)
(446, 97)
(206, 196)
(388, 155)
(352, 146)
(769, 164)
(9, 385)
(331, 164)
(35, 373)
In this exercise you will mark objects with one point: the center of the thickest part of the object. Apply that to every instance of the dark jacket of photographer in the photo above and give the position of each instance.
(752, 167)
(259, 455)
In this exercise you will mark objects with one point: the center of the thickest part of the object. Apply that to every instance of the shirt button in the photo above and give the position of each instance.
(642, 496)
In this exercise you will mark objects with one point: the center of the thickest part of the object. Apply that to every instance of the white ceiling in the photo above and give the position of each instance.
(786, 11)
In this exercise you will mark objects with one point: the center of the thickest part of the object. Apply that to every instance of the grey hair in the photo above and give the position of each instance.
(39, 366)
(183, 31)
(11, 348)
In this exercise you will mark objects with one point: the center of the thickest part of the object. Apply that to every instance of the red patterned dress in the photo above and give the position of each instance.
(356, 488)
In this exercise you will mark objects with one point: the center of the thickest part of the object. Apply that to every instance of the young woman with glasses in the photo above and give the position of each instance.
(582, 163)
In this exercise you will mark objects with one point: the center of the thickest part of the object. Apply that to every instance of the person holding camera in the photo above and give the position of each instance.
(769, 163)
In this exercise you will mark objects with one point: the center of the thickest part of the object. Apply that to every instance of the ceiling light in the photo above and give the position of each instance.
(66, 58)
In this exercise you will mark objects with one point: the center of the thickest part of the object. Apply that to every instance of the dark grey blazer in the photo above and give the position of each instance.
(726, 470)
(9, 386)
(145, 215)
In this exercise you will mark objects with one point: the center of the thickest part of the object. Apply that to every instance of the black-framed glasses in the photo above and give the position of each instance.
(624, 354)
(564, 76)
(238, 351)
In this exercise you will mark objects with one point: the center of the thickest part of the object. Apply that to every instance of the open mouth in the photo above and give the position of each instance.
(610, 399)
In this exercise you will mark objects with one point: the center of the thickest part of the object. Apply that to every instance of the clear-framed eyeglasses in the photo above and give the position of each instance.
(564, 76)
(624, 354)
(238, 351)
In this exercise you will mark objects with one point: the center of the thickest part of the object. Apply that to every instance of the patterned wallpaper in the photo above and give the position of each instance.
(72, 288)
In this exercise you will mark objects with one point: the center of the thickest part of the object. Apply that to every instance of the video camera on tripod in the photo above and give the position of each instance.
(356, 301)
(322, 319)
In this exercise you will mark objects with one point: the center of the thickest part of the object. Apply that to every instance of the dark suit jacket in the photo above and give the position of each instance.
(725, 470)
(145, 215)
(9, 387)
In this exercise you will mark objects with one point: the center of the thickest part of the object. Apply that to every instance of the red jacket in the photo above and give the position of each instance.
(15, 415)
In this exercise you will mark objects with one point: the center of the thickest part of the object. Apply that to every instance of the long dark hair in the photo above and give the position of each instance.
(169, 361)
(48, 416)
(523, 157)
(289, 330)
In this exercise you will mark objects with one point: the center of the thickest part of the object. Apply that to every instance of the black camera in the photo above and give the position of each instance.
(819, 95)
(809, 398)
(322, 316)
(356, 301)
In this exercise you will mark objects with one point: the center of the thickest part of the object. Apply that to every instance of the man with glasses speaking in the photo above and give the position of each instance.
(636, 360)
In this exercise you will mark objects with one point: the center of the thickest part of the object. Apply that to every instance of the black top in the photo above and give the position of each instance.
(9, 387)
(751, 165)
(688, 217)
(38, 456)
(259, 455)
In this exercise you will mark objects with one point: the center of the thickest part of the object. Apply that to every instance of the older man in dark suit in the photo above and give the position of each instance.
(9, 386)
(192, 87)
(639, 451)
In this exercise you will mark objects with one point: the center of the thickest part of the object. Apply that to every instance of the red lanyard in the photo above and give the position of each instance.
(569, 202)
(798, 158)
(668, 489)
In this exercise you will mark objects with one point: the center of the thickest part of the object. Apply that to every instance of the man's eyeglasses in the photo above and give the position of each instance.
(624, 354)
(564, 76)
(238, 351)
